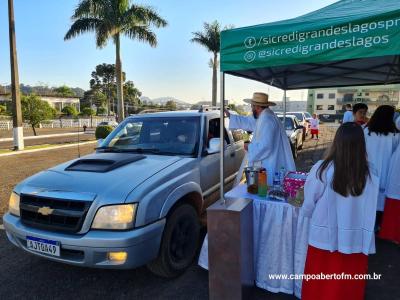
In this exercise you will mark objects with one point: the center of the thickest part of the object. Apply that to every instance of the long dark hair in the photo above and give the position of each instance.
(348, 154)
(381, 121)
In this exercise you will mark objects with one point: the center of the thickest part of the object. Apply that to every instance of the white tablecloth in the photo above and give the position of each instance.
(280, 243)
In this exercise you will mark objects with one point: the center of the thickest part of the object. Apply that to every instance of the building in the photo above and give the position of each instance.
(330, 102)
(291, 105)
(55, 101)
(60, 102)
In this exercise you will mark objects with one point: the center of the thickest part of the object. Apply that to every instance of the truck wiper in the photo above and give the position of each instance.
(149, 150)
(136, 150)
(108, 149)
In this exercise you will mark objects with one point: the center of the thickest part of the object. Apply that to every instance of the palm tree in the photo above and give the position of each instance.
(210, 39)
(110, 19)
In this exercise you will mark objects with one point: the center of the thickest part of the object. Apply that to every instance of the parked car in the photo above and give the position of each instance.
(108, 123)
(137, 200)
(304, 120)
(294, 132)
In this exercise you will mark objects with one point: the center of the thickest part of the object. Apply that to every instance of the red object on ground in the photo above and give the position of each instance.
(314, 131)
(390, 229)
(322, 261)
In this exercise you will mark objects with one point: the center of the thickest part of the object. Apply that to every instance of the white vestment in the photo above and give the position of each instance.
(380, 149)
(270, 145)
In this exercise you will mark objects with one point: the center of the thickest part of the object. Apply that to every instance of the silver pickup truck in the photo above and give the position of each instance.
(137, 200)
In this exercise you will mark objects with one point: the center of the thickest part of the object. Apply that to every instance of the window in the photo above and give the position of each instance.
(331, 107)
(332, 95)
(299, 116)
(165, 136)
(289, 123)
(320, 107)
(366, 94)
(348, 98)
(213, 131)
(320, 96)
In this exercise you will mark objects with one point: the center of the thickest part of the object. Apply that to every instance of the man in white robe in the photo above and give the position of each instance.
(270, 146)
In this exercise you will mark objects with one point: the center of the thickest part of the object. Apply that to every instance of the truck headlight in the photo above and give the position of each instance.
(13, 204)
(115, 217)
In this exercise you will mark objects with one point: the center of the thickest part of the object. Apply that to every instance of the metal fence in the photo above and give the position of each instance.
(63, 123)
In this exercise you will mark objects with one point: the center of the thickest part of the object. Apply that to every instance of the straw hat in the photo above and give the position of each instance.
(260, 99)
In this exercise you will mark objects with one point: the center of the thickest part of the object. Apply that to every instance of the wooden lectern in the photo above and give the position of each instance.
(230, 249)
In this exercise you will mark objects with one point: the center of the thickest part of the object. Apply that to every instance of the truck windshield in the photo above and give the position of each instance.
(288, 123)
(166, 135)
(299, 116)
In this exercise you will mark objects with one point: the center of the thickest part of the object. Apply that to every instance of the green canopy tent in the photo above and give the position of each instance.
(351, 42)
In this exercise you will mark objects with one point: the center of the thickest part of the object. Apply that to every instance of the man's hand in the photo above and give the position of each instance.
(227, 113)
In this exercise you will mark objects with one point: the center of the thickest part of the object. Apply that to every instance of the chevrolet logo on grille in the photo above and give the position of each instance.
(45, 210)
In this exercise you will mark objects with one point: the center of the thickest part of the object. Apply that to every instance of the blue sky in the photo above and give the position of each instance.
(176, 68)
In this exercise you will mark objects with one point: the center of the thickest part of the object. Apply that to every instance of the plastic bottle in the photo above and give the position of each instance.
(282, 174)
(262, 183)
(277, 181)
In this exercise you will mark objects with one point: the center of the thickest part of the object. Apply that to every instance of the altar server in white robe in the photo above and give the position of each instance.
(391, 217)
(270, 146)
(381, 139)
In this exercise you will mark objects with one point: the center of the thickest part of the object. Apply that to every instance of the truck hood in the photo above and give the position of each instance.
(114, 184)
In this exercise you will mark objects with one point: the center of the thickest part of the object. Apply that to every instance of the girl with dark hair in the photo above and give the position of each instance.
(340, 200)
(381, 138)
(391, 217)
(360, 113)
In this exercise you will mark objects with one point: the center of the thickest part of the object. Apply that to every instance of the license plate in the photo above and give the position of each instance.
(43, 246)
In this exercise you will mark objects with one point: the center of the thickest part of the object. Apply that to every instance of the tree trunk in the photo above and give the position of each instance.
(118, 71)
(214, 80)
(34, 130)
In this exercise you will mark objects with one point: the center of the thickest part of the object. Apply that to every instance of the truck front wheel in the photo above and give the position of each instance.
(179, 243)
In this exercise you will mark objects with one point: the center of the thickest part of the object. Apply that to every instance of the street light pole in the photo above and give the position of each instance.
(16, 99)
(18, 133)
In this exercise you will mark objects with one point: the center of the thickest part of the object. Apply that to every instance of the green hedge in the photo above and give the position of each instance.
(103, 131)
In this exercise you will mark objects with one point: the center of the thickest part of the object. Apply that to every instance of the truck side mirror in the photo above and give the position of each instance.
(214, 146)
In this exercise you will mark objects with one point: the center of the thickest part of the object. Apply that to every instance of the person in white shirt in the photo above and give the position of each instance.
(314, 125)
(348, 115)
(391, 217)
(340, 200)
(269, 146)
(381, 138)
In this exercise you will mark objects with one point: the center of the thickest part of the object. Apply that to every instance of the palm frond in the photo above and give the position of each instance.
(143, 34)
(88, 8)
(203, 40)
(138, 14)
(209, 37)
(103, 33)
(81, 26)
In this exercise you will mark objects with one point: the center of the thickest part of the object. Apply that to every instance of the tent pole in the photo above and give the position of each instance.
(222, 136)
(284, 109)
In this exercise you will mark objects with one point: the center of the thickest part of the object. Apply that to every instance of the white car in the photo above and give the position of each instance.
(108, 123)
(294, 131)
(304, 120)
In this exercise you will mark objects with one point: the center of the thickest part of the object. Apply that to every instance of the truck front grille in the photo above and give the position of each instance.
(53, 214)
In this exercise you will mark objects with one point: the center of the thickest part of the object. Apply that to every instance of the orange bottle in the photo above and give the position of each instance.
(262, 183)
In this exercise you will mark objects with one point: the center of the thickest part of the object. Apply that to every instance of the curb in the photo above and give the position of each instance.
(48, 148)
(33, 137)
